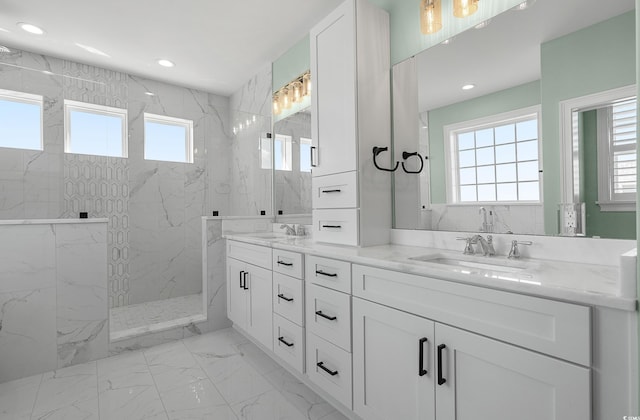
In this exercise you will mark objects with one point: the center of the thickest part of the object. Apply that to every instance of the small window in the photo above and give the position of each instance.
(168, 139)
(95, 129)
(282, 153)
(495, 159)
(20, 120)
(305, 154)
(617, 156)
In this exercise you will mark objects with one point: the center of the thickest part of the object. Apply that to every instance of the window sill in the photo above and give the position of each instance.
(616, 206)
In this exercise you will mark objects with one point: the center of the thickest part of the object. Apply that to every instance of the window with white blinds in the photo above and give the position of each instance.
(617, 155)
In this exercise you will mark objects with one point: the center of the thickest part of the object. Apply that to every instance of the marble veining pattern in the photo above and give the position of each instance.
(187, 379)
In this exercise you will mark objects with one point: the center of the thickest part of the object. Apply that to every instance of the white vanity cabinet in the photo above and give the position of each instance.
(249, 290)
(415, 366)
(328, 322)
(350, 114)
(288, 308)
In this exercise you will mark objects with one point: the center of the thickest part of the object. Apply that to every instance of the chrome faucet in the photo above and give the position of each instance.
(515, 252)
(291, 230)
(485, 244)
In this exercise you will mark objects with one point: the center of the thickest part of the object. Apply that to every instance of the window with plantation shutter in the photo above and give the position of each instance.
(617, 156)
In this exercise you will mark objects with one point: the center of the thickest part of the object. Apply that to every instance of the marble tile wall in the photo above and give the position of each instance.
(252, 184)
(154, 208)
(53, 296)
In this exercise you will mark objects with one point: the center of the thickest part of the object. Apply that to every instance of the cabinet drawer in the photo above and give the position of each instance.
(288, 298)
(335, 191)
(288, 342)
(329, 273)
(329, 315)
(556, 328)
(336, 226)
(253, 254)
(287, 262)
(329, 367)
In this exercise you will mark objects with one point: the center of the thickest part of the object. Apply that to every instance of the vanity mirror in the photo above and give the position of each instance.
(486, 110)
(292, 165)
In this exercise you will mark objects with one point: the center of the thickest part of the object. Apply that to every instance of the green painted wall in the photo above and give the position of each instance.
(597, 58)
(617, 225)
(518, 97)
(291, 64)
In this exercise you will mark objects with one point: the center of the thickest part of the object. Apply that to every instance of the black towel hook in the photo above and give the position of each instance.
(407, 155)
(376, 151)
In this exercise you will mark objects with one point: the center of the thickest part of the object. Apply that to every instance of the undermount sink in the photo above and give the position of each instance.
(269, 235)
(504, 266)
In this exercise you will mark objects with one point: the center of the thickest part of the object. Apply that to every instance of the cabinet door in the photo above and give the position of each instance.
(260, 314)
(236, 294)
(393, 369)
(487, 379)
(333, 114)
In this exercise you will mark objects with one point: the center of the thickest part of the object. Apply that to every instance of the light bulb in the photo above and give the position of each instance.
(464, 8)
(430, 16)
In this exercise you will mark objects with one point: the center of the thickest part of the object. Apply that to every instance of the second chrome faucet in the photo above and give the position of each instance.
(486, 245)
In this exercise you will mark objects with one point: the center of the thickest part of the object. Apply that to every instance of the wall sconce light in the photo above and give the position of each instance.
(464, 8)
(293, 92)
(430, 16)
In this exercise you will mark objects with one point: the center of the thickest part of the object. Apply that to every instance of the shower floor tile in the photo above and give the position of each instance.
(129, 321)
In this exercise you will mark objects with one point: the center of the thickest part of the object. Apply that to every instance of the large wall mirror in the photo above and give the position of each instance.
(485, 109)
(292, 165)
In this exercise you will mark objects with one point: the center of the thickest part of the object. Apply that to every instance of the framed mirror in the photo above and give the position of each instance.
(484, 111)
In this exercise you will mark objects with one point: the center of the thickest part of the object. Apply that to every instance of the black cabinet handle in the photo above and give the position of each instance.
(322, 273)
(241, 285)
(329, 371)
(285, 263)
(330, 191)
(330, 318)
(332, 226)
(283, 341)
(421, 370)
(441, 379)
(281, 296)
(313, 164)
(245, 280)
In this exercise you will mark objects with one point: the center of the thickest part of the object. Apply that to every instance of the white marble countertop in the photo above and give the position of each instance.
(577, 283)
(52, 221)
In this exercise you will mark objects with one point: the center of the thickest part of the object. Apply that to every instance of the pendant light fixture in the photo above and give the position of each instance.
(464, 8)
(430, 16)
(292, 93)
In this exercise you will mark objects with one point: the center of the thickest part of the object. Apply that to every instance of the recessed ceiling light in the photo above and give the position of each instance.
(468, 87)
(32, 29)
(447, 41)
(92, 50)
(4, 49)
(482, 24)
(47, 72)
(150, 94)
(165, 63)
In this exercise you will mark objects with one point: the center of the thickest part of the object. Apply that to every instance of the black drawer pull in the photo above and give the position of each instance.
(332, 226)
(241, 285)
(283, 341)
(441, 379)
(330, 191)
(329, 371)
(421, 370)
(285, 263)
(322, 273)
(281, 296)
(330, 318)
(244, 276)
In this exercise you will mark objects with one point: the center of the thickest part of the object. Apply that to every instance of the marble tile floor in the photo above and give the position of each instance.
(220, 375)
(132, 320)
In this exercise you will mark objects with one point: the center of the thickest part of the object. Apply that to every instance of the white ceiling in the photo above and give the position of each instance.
(217, 45)
(505, 53)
